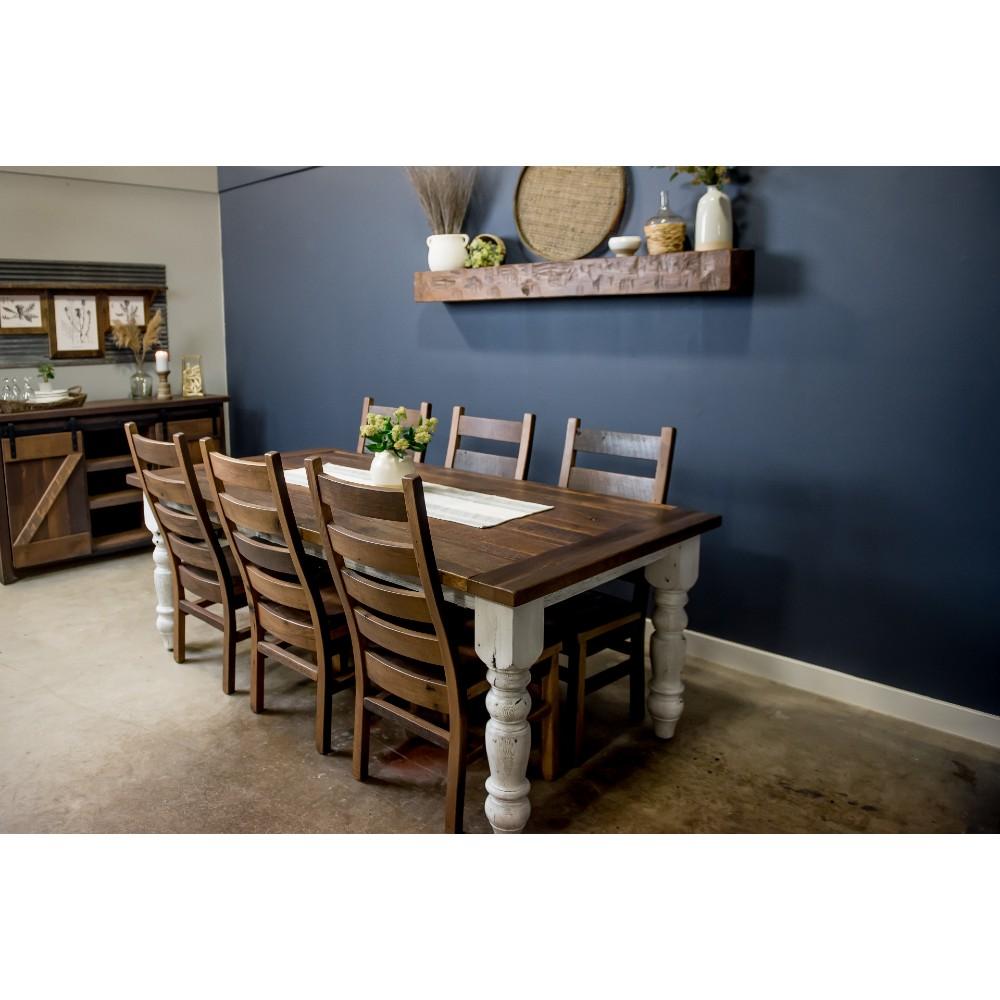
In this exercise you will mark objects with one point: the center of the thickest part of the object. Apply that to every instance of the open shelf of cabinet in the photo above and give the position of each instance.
(728, 272)
(116, 498)
(109, 463)
(119, 540)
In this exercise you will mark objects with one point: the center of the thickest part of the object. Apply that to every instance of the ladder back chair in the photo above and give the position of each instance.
(412, 663)
(518, 432)
(203, 570)
(412, 417)
(597, 621)
(295, 616)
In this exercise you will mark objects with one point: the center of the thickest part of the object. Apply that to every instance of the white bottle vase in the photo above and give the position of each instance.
(713, 225)
(388, 469)
(446, 252)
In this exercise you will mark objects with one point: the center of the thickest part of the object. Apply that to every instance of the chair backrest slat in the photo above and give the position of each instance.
(266, 555)
(370, 533)
(398, 639)
(165, 488)
(480, 461)
(519, 432)
(158, 454)
(614, 484)
(185, 525)
(650, 447)
(386, 557)
(368, 405)
(397, 602)
(251, 517)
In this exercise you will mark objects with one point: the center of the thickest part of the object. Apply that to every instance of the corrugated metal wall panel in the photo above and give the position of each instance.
(28, 350)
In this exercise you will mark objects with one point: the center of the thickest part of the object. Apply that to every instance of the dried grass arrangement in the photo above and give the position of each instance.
(444, 194)
(128, 335)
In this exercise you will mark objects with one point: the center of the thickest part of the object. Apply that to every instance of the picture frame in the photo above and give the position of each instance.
(120, 305)
(78, 326)
(25, 312)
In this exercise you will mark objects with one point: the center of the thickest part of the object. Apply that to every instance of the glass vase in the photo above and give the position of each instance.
(192, 378)
(140, 385)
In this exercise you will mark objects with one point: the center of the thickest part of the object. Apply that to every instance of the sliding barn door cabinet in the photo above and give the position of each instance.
(63, 493)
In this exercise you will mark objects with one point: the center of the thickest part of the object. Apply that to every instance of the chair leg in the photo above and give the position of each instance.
(180, 652)
(229, 651)
(362, 732)
(637, 674)
(256, 673)
(577, 694)
(324, 706)
(455, 795)
(550, 724)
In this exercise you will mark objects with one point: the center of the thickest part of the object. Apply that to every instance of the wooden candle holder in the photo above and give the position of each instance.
(163, 391)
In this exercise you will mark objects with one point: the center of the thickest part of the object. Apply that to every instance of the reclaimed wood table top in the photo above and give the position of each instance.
(582, 536)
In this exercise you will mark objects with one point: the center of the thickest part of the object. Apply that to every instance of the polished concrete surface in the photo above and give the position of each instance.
(100, 731)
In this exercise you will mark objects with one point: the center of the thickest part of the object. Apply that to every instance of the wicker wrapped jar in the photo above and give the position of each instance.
(665, 230)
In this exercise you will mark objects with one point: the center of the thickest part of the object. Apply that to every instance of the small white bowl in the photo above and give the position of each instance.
(624, 246)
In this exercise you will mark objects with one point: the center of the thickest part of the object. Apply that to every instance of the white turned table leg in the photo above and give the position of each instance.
(509, 641)
(671, 577)
(163, 582)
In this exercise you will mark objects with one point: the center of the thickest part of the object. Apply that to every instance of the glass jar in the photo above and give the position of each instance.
(665, 230)
(140, 384)
(192, 380)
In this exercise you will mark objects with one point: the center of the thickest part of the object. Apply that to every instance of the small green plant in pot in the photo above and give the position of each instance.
(46, 374)
(393, 442)
(486, 251)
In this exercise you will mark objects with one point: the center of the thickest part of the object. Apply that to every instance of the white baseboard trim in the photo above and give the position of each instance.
(941, 715)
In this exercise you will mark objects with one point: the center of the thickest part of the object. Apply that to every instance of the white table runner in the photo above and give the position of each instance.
(444, 503)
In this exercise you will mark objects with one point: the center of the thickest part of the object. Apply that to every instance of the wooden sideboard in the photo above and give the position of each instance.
(63, 493)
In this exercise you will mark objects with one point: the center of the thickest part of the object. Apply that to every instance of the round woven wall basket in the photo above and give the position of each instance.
(565, 213)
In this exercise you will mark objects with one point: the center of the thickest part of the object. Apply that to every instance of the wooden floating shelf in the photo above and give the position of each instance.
(728, 272)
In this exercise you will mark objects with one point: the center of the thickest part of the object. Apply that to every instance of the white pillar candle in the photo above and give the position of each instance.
(162, 361)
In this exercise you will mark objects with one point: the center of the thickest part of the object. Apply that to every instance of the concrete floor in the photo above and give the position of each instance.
(100, 731)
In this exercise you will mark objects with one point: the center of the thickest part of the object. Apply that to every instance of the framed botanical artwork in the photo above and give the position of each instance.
(127, 309)
(24, 312)
(77, 331)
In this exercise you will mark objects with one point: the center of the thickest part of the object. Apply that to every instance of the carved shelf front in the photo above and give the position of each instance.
(728, 272)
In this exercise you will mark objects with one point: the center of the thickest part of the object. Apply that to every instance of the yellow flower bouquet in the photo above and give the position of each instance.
(392, 433)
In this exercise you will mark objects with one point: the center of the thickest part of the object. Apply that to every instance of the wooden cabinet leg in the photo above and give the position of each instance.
(672, 577)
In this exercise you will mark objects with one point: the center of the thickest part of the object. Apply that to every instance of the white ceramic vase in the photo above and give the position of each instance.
(388, 469)
(446, 252)
(713, 225)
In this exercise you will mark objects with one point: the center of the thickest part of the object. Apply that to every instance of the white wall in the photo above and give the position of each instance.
(147, 215)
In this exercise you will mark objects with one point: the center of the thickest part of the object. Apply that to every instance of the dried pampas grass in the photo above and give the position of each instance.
(444, 194)
(127, 335)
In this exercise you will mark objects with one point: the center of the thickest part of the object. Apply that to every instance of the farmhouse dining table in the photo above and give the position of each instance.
(509, 574)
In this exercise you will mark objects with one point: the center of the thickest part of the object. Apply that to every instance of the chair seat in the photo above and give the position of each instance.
(590, 615)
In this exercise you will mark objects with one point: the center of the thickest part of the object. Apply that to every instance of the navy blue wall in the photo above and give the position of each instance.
(843, 419)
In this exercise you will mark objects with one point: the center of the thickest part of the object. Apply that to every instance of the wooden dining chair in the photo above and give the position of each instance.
(412, 418)
(296, 618)
(597, 620)
(414, 655)
(203, 570)
(518, 432)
